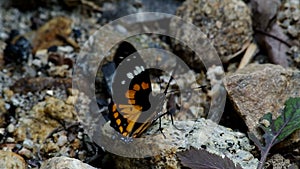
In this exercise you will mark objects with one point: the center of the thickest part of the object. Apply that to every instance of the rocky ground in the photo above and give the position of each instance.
(43, 126)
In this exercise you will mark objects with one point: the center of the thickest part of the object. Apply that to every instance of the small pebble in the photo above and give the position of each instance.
(28, 143)
(50, 92)
(25, 152)
(71, 100)
(76, 144)
(66, 49)
(10, 128)
(80, 135)
(292, 31)
(37, 62)
(10, 140)
(2, 131)
(62, 140)
(7, 106)
(51, 147)
(8, 93)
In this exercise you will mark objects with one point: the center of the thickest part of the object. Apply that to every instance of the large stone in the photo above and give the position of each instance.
(10, 160)
(261, 88)
(226, 23)
(202, 133)
(66, 163)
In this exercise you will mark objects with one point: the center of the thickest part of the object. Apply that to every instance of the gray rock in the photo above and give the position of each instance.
(62, 140)
(200, 134)
(11, 128)
(27, 143)
(64, 162)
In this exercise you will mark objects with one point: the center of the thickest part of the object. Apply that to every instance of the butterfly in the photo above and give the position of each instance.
(133, 108)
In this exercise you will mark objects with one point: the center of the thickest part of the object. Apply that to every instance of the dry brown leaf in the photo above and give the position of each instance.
(264, 11)
(250, 52)
(277, 50)
(54, 33)
(269, 35)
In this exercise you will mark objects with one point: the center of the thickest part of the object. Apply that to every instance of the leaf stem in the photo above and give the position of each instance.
(265, 153)
(263, 158)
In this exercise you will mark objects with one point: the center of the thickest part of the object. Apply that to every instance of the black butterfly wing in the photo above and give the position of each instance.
(131, 88)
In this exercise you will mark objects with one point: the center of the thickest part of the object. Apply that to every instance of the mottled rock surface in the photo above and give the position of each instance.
(9, 160)
(200, 134)
(43, 119)
(226, 23)
(258, 89)
(277, 161)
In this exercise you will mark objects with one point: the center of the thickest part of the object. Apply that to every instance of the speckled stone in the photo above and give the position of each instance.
(277, 161)
(200, 134)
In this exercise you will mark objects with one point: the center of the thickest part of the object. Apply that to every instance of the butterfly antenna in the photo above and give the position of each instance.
(171, 78)
(177, 91)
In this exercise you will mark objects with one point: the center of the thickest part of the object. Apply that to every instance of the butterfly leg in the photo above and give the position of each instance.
(172, 121)
(160, 128)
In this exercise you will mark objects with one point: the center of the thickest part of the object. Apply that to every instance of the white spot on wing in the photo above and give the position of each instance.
(138, 69)
(130, 75)
(123, 82)
(142, 67)
(135, 72)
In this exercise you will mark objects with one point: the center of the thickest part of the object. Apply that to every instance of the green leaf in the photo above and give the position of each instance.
(277, 130)
(285, 124)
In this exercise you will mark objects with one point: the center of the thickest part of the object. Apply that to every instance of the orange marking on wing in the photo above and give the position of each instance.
(116, 114)
(118, 121)
(130, 94)
(114, 108)
(130, 101)
(122, 106)
(125, 133)
(145, 85)
(141, 128)
(121, 129)
(130, 126)
(137, 107)
(136, 87)
(130, 111)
